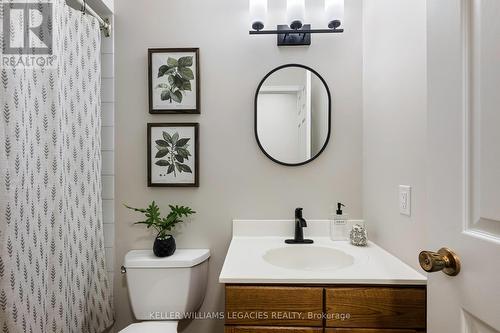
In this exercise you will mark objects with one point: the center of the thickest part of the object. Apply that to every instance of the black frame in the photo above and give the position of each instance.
(150, 80)
(196, 155)
(329, 114)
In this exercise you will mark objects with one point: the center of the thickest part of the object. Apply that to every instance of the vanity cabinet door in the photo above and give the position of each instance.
(274, 306)
(368, 330)
(257, 329)
(376, 307)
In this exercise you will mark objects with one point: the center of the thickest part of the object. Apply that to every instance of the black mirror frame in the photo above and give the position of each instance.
(329, 114)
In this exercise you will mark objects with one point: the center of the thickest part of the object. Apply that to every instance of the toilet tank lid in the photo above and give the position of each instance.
(181, 258)
(151, 327)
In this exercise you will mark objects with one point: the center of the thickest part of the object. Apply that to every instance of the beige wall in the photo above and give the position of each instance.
(394, 122)
(236, 179)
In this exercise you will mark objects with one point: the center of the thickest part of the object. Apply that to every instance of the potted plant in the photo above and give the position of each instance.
(164, 244)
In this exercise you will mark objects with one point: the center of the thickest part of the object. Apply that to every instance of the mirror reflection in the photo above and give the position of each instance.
(292, 115)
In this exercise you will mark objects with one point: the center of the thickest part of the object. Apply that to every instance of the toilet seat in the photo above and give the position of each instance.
(152, 327)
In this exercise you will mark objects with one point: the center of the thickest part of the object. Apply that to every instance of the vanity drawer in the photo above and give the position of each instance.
(274, 306)
(257, 329)
(369, 330)
(376, 307)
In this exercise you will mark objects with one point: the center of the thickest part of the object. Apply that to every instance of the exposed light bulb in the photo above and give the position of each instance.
(334, 10)
(258, 13)
(295, 10)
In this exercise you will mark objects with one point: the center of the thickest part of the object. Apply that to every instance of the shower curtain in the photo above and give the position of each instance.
(52, 269)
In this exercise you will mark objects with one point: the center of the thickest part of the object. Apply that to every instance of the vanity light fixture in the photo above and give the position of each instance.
(295, 12)
(296, 32)
(258, 13)
(334, 10)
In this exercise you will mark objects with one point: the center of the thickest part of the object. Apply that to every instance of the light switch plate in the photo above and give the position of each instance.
(405, 200)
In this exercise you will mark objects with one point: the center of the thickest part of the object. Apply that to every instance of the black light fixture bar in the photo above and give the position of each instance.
(295, 37)
(292, 31)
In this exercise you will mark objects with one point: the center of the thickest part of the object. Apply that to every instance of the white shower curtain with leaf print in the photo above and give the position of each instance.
(52, 270)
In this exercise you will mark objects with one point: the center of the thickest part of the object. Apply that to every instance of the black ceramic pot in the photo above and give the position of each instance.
(164, 247)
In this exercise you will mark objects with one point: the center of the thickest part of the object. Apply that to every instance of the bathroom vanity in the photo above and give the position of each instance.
(326, 286)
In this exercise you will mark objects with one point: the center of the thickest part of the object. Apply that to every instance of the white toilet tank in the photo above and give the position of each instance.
(166, 288)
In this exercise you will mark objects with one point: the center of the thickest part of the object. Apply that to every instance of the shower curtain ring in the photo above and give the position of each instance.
(84, 7)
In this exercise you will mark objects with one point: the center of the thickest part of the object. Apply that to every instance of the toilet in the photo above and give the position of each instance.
(163, 290)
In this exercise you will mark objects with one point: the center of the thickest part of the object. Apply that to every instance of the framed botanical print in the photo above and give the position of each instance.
(173, 154)
(174, 80)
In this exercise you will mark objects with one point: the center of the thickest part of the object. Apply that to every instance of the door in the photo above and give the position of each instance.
(278, 124)
(464, 162)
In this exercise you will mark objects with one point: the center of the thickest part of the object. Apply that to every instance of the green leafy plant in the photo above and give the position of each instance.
(163, 225)
(179, 76)
(173, 151)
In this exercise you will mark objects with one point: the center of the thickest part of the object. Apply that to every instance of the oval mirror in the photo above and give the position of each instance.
(292, 114)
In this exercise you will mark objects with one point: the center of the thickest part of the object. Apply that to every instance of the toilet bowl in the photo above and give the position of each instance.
(163, 291)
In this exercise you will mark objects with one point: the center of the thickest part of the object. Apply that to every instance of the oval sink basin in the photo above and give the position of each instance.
(308, 258)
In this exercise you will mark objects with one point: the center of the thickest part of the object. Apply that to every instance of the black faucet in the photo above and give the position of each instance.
(300, 223)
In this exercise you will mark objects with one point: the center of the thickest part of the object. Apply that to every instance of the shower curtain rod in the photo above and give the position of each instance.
(103, 22)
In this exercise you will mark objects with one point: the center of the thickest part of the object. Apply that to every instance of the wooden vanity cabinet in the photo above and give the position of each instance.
(271, 329)
(274, 306)
(369, 330)
(325, 309)
(376, 307)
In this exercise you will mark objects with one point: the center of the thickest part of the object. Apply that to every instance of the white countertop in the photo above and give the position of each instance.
(244, 261)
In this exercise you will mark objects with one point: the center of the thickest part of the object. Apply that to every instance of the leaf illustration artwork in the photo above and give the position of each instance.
(179, 76)
(172, 152)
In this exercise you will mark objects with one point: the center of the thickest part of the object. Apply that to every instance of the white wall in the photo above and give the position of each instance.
(289, 76)
(107, 148)
(236, 179)
(394, 124)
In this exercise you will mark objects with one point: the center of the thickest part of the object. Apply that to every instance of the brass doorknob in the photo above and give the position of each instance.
(443, 260)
